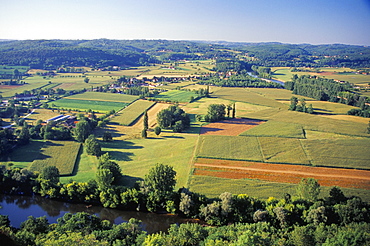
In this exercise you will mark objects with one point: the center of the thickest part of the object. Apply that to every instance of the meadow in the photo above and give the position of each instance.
(62, 154)
(274, 128)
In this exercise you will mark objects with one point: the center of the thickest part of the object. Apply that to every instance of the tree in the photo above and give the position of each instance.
(216, 112)
(145, 120)
(92, 146)
(168, 118)
(107, 137)
(368, 128)
(234, 111)
(158, 185)
(50, 173)
(310, 109)
(82, 131)
(293, 103)
(308, 189)
(86, 80)
(144, 134)
(157, 130)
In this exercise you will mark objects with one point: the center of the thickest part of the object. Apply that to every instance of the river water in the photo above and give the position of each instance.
(18, 208)
(271, 80)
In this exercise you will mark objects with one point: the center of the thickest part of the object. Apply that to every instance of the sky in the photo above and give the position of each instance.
(286, 21)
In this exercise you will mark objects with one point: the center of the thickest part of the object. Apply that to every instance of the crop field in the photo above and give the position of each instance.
(347, 153)
(213, 186)
(283, 150)
(85, 167)
(226, 147)
(278, 94)
(5, 69)
(83, 105)
(101, 96)
(230, 127)
(176, 96)
(7, 91)
(313, 122)
(284, 173)
(131, 113)
(274, 128)
(173, 86)
(24, 155)
(285, 74)
(248, 96)
(62, 154)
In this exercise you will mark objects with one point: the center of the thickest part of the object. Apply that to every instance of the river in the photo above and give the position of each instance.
(18, 208)
(271, 80)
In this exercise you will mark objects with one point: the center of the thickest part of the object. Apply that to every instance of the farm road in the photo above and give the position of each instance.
(319, 172)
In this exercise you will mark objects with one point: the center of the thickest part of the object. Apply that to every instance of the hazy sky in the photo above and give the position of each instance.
(288, 21)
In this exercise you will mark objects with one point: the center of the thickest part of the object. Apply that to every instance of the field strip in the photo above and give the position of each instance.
(279, 168)
(152, 115)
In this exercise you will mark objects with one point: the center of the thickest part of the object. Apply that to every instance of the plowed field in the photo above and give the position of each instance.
(231, 127)
(349, 178)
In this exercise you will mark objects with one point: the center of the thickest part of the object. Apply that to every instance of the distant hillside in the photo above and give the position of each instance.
(50, 54)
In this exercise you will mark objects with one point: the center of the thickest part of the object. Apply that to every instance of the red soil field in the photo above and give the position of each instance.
(349, 178)
(231, 127)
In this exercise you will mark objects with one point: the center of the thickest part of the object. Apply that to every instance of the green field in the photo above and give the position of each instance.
(137, 156)
(176, 96)
(285, 74)
(132, 112)
(229, 147)
(347, 153)
(273, 128)
(61, 154)
(83, 105)
(214, 186)
(283, 150)
(101, 96)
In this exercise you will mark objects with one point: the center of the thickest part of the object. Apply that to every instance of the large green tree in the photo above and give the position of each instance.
(308, 189)
(82, 131)
(92, 146)
(158, 185)
(216, 112)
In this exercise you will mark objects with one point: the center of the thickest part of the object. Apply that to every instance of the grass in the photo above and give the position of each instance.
(137, 156)
(131, 113)
(24, 155)
(76, 104)
(61, 154)
(86, 167)
(273, 128)
(6, 69)
(107, 97)
(347, 153)
(283, 150)
(227, 147)
(176, 96)
(213, 186)
(20, 89)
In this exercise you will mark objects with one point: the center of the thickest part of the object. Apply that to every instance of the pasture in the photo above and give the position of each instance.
(84, 105)
(62, 154)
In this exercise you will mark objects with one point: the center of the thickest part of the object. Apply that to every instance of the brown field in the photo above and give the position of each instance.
(9, 87)
(231, 127)
(348, 178)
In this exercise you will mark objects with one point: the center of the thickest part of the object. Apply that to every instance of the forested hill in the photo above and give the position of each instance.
(49, 54)
(300, 55)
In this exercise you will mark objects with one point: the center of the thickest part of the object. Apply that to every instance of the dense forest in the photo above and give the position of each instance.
(50, 54)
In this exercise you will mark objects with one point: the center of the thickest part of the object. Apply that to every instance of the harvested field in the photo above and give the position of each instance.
(349, 178)
(231, 127)
(152, 115)
(9, 87)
